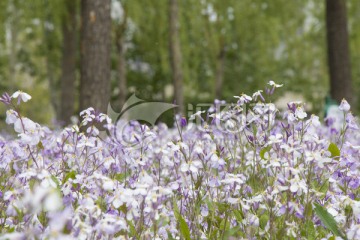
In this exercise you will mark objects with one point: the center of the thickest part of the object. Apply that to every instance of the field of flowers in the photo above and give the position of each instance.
(248, 171)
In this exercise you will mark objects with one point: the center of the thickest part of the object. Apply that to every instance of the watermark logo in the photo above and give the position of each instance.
(127, 130)
(130, 131)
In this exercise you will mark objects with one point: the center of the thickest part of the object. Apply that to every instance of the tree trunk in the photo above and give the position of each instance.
(219, 78)
(175, 55)
(95, 54)
(49, 60)
(121, 48)
(68, 65)
(13, 22)
(122, 72)
(338, 50)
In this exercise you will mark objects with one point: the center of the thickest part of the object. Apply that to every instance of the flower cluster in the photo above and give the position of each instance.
(246, 172)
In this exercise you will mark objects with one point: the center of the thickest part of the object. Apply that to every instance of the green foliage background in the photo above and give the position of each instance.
(264, 39)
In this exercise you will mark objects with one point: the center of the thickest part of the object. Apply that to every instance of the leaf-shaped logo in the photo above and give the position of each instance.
(127, 130)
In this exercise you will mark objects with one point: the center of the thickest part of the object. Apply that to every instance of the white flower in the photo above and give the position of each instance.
(8, 195)
(108, 185)
(21, 96)
(192, 166)
(87, 111)
(291, 229)
(354, 232)
(108, 161)
(356, 207)
(277, 138)
(53, 201)
(204, 211)
(11, 116)
(333, 211)
(297, 185)
(300, 113)
(243, 98)
(258, 94)
(14, 235)
(273, 84)
(314, 120)
(233, 178)
(43, 197)
(197, 114)
(24, 124)
(103, 117)
(290, 117)
(122, 196)
(251, 219)
(344, 106)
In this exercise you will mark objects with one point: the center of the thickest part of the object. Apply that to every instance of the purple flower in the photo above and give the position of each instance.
(183, 122)
(351, 121)
(257, 95)
(5, 98)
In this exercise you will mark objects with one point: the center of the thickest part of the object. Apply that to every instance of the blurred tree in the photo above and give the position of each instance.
(264, 39)
(13, 29)
(147, 53)
(68, 63)
(175, 55)
(354, 35)
(95, 54)
(120, 39)
(51, 43)
(219, 79)
(218, 17)
(338, 50)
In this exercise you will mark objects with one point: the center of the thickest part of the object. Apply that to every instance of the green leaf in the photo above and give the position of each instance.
(133, 231)
(40, 146)
(19, 213)
(263, 221)
(42, 218)
(308, 210)
(210, 205)
(324, 187)
(12, 170)
(309, 230)
(32, 183)
(101, 203)
(120, 233)
(238, 215)
(341, 188)
(328, 220)
(184, 229)
(224, 224)
(71, 175)
(198, 182)
(214, 234)
(231, 232)
(55, 180)
(120, 177)
(263, 151)
(217, 221)
(222, 207)
(334, 150)
(170, 237)
(123, 208)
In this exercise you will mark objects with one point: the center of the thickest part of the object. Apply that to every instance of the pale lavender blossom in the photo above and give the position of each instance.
(21, 96)
(344, 106)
